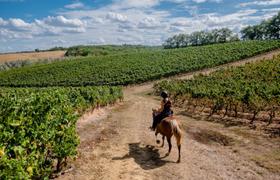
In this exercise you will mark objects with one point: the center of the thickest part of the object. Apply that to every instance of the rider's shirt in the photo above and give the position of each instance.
(167, 106)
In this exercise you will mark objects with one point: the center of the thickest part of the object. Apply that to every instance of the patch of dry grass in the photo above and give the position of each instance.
(31, 56)
(269, 160)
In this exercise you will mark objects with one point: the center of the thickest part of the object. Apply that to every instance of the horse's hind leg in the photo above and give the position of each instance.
(169, 144)
(178, 138)
(179, 151)
(163, 137)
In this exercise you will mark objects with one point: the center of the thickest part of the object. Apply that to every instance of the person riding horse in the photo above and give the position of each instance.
(166, 126)
(163, 112)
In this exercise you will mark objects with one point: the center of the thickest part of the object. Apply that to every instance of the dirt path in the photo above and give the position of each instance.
(116, 144)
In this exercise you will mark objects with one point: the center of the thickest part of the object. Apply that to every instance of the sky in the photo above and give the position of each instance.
(30, 24)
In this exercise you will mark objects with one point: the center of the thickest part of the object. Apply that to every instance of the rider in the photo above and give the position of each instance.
(163, 112)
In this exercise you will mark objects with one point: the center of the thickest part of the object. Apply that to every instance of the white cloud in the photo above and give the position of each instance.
(203, 1)
(199, 1)
(62, 21)
(177, 1)
(234, 18)
(182, 22)
(131, 39)
(15, 24)
(19, 25)
(15, 28)
(56, 25)
(127, 26)
(77, 5)
(260, 3)
(73, 30)
(59, 41)
(2, 22)
(124, 4)
(10, 34)
(148, 23)
(116, 17)
(234, 21)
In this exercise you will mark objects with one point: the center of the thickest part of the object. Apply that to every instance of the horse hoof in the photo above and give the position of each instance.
(158, 141)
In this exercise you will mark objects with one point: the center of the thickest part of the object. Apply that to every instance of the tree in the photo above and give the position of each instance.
(274, 27)
(201, 38)
(226, 35)
(268, 29)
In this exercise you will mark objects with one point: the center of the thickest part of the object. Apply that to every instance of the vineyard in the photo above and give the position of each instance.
(40, 104)
(253, 89)
(82, 89)
(132, 68)
(38, 127)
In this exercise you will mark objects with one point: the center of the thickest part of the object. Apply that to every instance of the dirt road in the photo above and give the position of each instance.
(117, 144)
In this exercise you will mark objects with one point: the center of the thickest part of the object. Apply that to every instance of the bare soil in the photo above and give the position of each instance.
(31, 56)
(117, 144)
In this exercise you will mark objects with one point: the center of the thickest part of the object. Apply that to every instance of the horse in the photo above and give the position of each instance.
(168, 127)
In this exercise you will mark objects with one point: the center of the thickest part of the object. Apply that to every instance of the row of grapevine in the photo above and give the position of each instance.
(252, 89)
(38, 127)
(131, 68)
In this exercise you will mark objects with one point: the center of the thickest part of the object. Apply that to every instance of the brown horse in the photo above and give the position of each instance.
(167, 128)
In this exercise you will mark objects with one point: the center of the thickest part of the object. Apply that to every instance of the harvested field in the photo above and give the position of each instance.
(31, 56)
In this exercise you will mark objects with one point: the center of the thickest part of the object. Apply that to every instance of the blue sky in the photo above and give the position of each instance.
(30, 24)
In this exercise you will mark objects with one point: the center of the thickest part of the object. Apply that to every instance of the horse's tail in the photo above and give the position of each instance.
(176, 131)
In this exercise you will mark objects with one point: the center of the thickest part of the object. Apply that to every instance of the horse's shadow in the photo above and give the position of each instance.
(146, 156)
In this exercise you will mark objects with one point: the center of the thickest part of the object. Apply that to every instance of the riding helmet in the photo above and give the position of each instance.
(164, 94)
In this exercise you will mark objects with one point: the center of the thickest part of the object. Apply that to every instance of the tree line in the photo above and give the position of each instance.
(266, 30)
(200, 38)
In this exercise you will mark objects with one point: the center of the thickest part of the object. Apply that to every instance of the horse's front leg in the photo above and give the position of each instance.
(158, 141)
(169, 145)
(163, 137)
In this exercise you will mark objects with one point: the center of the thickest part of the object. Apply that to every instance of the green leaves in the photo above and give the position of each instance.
(38, 126)
(252, 88)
